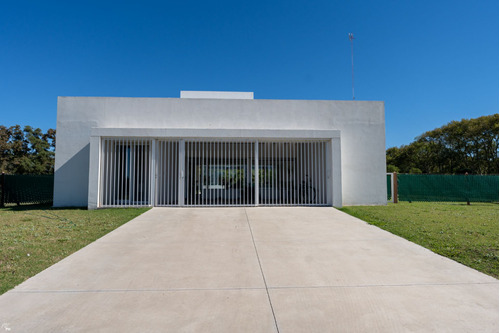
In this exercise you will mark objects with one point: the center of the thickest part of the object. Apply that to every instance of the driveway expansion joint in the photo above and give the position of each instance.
(75, 291)
(386, 285)
(262, 272)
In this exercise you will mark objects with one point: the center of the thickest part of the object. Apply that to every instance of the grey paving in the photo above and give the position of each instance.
(252, 270)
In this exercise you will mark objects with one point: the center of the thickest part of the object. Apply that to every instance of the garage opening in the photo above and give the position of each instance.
(292, 173)
(202, 172)
(219, 173)
(223, 173)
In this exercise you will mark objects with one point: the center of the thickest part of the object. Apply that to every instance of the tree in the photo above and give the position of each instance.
(40, 156)
(469, 145)
(392, 168)
(5, 151)
(26, 151)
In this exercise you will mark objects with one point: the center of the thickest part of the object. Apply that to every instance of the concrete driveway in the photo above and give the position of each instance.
(252, 270)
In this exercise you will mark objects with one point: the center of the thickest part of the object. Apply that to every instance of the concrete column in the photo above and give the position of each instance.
(336, 173)
(329, 173)
(94, 170)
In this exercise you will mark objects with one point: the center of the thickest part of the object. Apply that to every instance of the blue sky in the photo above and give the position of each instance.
(431, 62)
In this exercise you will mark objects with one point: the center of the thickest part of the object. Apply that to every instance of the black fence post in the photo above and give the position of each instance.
(2, 188)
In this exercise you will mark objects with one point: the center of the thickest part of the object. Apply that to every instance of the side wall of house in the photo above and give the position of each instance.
(361, 123)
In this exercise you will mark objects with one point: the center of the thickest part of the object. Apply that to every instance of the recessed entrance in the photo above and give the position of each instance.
(213, 172)
(219, 173)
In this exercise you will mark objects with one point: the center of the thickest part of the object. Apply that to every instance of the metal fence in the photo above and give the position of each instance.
(457, 188)
(223, 173)
(26, 189)
(219, 173)
(125, 172)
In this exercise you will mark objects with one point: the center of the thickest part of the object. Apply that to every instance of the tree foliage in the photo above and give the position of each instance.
(469, 145)
(26, 151)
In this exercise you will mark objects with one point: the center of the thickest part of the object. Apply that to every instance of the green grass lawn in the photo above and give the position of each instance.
(33, 238)
(467, 234)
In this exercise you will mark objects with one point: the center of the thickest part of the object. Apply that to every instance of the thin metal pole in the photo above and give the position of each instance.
(209, 173)
(201, 162)
(168, 181)
(188, 174)
(192, 175)
(104, 172)
(309, 172)
(245, 160)
(237, 174)
(127, 172)
(164, 176)
(122, 172)
(351, 38)
(174, 153)
(205, 173)
(188, 154)
(223, 172)
(110, 172)
(256, 173)
(265, 199)
(113, 170)
(323, 173)
(276, 170)
(132, 171)
(198, 155)
(168, 165)
(172, 172)
(287, 170)
(118, 172)
(161, 172)
(285, 173)
(144, 173)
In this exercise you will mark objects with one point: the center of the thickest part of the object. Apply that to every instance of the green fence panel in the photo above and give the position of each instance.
(28, 189)
(459, 188)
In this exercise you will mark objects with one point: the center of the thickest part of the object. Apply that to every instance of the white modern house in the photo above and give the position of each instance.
(218, 149)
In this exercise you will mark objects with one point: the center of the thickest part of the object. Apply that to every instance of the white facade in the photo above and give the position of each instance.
(347, 136)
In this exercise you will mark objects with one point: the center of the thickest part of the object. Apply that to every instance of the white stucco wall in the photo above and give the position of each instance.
(361, 124)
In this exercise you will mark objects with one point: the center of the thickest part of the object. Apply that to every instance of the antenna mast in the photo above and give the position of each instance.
(351, 38)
